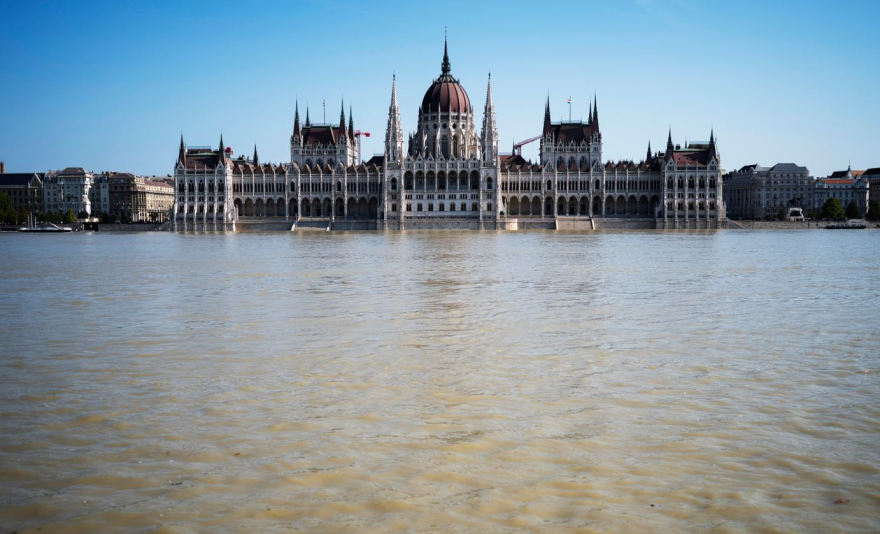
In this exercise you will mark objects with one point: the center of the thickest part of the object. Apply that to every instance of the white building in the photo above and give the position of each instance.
(449, 174)
(846, 186)
(69, 189)
(755, 192)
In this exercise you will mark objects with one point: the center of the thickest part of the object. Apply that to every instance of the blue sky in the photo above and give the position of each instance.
(112, 85)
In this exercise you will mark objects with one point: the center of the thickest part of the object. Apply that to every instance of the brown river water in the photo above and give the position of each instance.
(441, 381)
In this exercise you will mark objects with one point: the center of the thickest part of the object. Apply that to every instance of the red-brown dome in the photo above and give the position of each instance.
(446, 94)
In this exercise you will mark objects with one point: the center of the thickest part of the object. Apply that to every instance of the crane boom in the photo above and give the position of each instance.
(517, 148)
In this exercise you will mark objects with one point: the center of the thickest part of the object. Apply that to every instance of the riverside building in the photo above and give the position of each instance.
(755, 192)
(449, 173)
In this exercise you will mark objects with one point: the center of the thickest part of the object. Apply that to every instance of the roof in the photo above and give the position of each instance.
(378, 161)
(874, 171)
(18, 179)
(691, 157)
(577, 132)
(846, 181)
(323, 134)
(788, 167)
(842, 174)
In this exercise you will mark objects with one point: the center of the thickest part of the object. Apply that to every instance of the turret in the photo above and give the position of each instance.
(222, 150)
(256, 158)
(489, 141)
(350, 123)
(394, 132)
(648, 157)
(670, 148)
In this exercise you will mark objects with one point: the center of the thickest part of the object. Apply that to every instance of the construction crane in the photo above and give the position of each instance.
(517, 147)
(358, 133)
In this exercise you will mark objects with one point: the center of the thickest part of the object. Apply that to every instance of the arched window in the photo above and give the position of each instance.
(489, 183)
(408, 181)
(475, 180)
(549, 185)
(339, 186)
(444, 146)
(320, 162)
(597, 184)
(712, 183)
(570, 161)
(559, 161)
(394, 186)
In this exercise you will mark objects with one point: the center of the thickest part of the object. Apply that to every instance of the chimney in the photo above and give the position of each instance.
(2, 167)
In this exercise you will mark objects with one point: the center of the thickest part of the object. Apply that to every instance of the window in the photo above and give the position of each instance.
(474, 207)
(394, 207)
(409, 207)
(430, 207)
(463, 206)
(418, 207)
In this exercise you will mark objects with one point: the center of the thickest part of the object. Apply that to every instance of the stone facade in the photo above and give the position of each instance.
(70, 189)
(846, 186)
(25, 189)
(756, 192)
(139, 199)
(448, 173)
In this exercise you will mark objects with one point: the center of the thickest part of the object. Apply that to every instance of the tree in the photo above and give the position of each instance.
(852, 210)
(781, 214)
(69, 217)
(874, 210)
(7, 213)
(833, 209)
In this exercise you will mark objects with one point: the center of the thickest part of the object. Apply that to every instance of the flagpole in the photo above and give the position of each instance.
(569, 109)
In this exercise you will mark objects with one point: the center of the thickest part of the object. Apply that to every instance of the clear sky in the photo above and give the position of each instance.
(112, 85)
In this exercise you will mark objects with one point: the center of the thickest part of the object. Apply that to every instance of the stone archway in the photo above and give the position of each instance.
(513, 206)
(248, 208)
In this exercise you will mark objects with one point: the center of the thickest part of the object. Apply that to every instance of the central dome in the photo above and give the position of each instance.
(446, 95)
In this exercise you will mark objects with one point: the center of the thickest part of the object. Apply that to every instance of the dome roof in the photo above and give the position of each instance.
(446, 94)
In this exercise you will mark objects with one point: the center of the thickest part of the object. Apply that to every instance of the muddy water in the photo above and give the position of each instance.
(441, 382)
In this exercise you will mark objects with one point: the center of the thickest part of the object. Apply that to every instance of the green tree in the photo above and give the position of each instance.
(69, 217)
(833, 209)
(874, 210)
(852, 210)
(7, 213)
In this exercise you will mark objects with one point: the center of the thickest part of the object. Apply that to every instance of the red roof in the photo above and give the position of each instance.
(839, 182)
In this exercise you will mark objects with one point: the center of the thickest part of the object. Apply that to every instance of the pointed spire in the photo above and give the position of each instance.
(342, 129)
(489, 139)
(222, 148)
(296, 130)
(547, 125)
(670, 149)
(350, 123)
(308, 123)
(445, 67)
(181, 156)
(595, 112)
(712, 136)
(256, 157)
(489, 102)
(649, 151)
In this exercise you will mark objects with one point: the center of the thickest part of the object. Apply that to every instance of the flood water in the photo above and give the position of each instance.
(441, 381)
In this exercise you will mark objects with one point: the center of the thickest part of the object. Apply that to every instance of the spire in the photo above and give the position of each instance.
(590, 122)
(649, 151)
(595, 112)
(350, 123)
(181, 156)
(394, 132)
(547, 125)
(308, 123)
(713, 150)
(489, 139)
(342, 130)
(670, 149)
(256, 158)
(222, 148)
(445, 67)
(296, 131)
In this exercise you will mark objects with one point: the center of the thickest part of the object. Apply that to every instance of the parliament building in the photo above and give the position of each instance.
(449, 174)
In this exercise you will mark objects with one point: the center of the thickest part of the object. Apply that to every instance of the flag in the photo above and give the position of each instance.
(569, 100)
